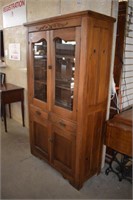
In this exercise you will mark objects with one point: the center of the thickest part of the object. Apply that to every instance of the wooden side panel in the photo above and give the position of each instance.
(97, 84)
(104, 66)
(94, 138)
(93, 67)
(98, 66)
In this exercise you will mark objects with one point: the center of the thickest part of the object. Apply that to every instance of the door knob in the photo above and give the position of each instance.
(62, 123)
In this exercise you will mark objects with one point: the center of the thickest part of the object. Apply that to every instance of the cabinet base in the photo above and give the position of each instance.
(76, 185)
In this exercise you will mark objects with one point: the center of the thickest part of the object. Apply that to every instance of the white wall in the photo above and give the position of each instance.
(78, 5)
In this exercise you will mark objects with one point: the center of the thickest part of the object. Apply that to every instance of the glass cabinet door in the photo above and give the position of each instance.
(65, 61)
(40, 70)
(64, 73)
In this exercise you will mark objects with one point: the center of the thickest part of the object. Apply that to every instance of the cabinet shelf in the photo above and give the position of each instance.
(63, 104)
(65, 56)
(63, 80)
(64, 88)
(41, 67)
(40, 57)
(40, 82)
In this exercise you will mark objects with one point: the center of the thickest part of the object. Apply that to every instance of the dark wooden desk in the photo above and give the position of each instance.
(10, 94)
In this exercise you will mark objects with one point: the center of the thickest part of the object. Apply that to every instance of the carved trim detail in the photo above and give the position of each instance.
(51, 26)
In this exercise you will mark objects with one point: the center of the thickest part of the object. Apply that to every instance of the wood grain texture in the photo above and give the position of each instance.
(119, 133)
(73, 139)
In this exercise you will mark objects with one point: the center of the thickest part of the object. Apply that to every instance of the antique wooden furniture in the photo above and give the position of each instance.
(68, 79)
(119, 138)
(10, 94)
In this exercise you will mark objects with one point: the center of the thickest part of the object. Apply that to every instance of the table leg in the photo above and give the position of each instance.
(10, 110)
(121, 169)
(4, 116)
(22, 109)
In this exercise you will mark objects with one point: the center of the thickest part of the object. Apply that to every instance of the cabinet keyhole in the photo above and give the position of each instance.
(50, 66)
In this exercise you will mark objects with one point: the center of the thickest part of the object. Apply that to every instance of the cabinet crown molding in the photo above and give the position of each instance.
(51, 26)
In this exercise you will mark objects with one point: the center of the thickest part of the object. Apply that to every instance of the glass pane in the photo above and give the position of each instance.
(40, 70)
(64, 73)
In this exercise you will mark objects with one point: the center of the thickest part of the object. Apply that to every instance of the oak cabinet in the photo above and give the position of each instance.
(68, 79)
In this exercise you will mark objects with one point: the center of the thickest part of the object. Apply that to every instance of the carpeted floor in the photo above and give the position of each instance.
(24, 176)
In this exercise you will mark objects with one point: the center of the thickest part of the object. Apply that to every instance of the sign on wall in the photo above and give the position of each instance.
(14, 14)
(14, 51)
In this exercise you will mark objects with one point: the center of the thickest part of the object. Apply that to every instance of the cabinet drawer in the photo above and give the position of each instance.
(38, 113)
(62, 123)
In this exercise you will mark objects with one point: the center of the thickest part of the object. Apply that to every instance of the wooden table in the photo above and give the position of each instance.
(119, 138)
(119, 132)
(10, 94)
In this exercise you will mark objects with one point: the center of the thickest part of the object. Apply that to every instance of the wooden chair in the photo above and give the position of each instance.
(2, 82)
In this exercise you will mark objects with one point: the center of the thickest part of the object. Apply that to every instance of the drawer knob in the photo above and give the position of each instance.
(50, 66)
(51, 140)
(38, 112)
(62, 123)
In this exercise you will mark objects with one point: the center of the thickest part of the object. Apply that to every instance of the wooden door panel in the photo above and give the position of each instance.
(63, 151)
(38, 73)
(41, 137)
(40, 134)
(65, 51)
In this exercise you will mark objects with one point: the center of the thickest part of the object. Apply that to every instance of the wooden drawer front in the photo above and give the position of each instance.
(61, 123)
(12, 96)
(119, 138)
(38, 113)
